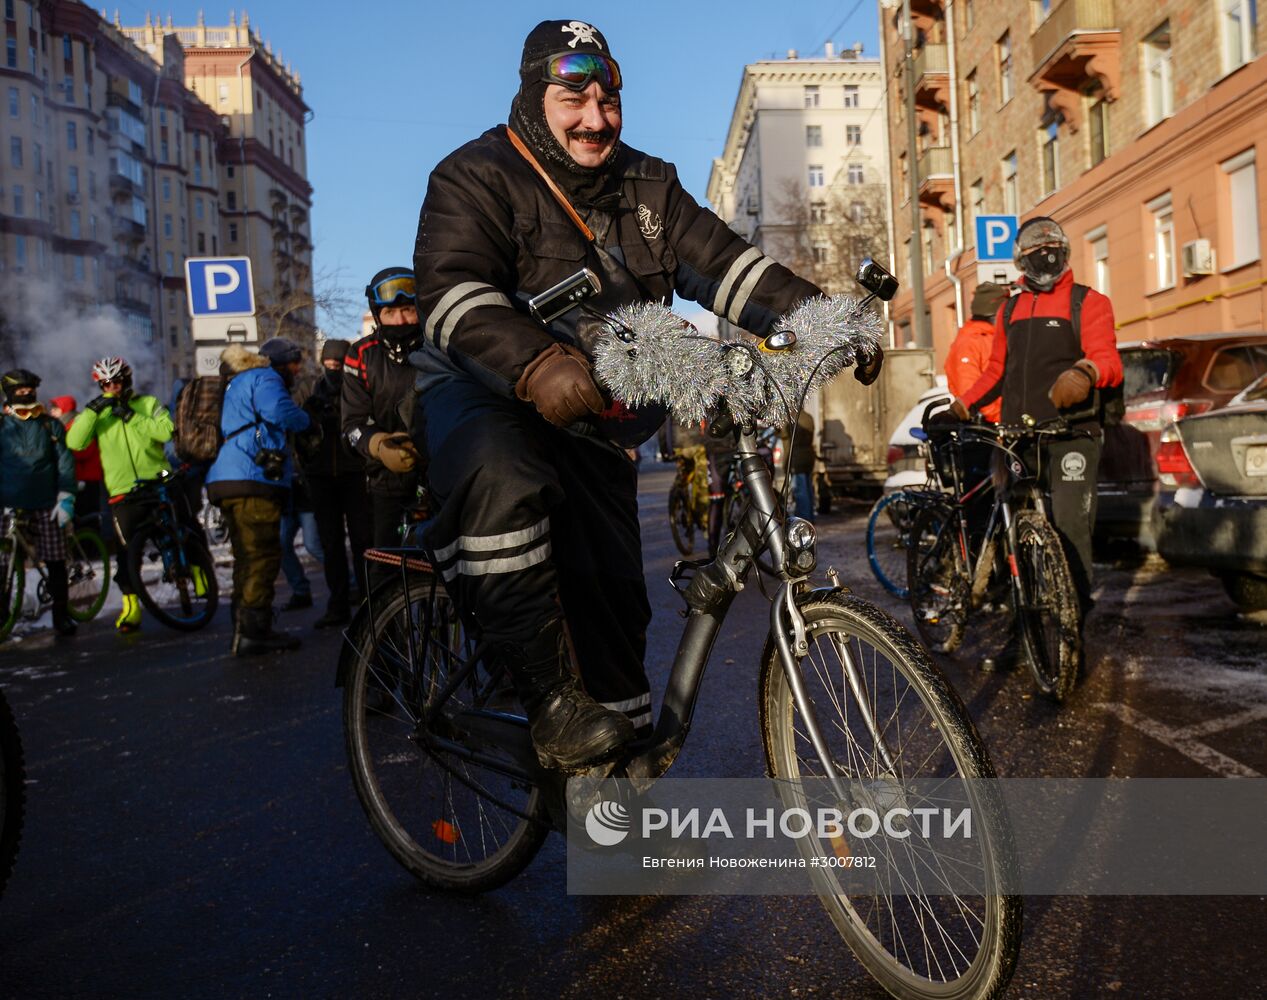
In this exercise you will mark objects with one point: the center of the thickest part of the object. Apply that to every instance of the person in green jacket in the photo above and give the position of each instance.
(37, 482)
(130, 430)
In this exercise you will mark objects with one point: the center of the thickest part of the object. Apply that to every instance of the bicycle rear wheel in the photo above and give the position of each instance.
(934, 924)
(12, 585)
(937, 575)
(12, 791)
(888, 538)
(1049, 612)
(453, 823)
(681, 519)
(184, 595)
(87, 574)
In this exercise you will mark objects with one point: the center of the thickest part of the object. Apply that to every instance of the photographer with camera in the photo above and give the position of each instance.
(250, 481)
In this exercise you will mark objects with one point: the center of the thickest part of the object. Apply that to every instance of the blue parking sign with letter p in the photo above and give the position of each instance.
(219, 286)
(995, 236)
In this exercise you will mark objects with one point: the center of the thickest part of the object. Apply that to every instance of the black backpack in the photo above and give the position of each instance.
(1108, 405)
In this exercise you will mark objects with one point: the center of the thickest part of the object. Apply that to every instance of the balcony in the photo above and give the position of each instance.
(116, 100)
(122, 185)
(932, 78)
(1079, 45)
(127, 230)
(936, 178)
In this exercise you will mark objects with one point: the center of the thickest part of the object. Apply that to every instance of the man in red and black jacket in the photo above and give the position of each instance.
(1048, 359)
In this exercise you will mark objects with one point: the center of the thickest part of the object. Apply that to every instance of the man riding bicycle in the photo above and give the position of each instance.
(537, 533)
(1054, 344)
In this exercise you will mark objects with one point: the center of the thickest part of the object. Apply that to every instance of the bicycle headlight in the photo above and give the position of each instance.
(800, 537)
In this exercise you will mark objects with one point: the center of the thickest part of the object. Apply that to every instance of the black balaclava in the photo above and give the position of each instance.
(586, 187)
(402, 338)
(1042, 267)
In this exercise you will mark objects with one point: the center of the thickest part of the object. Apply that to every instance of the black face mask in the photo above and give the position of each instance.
(400, 340)
(1042, 268)
(334, 379)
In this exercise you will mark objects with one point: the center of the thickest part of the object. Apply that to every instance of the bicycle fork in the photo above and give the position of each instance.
(787, 625)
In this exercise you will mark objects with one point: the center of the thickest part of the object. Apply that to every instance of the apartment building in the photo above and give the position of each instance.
(1134, 124)
(802, 174)
(113, 170)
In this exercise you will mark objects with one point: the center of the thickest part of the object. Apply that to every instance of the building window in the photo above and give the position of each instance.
(852, 97)
(202, 243)
(11, 54)
(92, 227)
(198, 209)
(853, 135)
(19, 252)
(15, 152)
(162, 116)
(19, 200)
(822, 253)
(8, 11)
(1238, 21)
(1049, 137)
(1158, 83)
(67, 52)
(974, 104)
(813, 135)
(232, 201)
(167, 189)
(167, 225)
(91, 141)
(79, 268)
(811, 97)
(162, 151)
(976, 206)
(815, 176)
(1097, 127)
(233, 232)
(72, 136)
(197, 173)
(1242, 191)
(72, 179)
(1041, 10)
(169, 263)
(15, 104)
(224, 93)
(1098, 245)
(1163, 241)
(855, 173)
(969, 16)
(39, 206)
(1004, 50)
(1011, 198)
(817, 212)
(857, 211)
(35, 110)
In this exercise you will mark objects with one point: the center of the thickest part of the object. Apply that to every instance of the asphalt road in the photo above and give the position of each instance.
(192, 830)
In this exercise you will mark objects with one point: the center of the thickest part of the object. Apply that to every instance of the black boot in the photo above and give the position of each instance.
(255, 636)
(59, 591)
(569, 729)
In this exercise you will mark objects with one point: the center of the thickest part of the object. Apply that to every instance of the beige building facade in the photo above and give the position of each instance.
(123, 153)
(1134, 124)
(802, 174)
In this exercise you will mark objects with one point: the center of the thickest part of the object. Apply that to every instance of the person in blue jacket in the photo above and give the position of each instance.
(250, 481)
(37, 482)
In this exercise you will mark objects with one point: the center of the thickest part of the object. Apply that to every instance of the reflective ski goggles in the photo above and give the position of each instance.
(576, 70)
(389, 291)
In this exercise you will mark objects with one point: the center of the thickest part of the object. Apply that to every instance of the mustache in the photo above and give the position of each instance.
(585, 135)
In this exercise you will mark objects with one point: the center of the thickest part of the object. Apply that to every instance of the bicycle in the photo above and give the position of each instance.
(174, 574)
(445, 770)
(950, 576)
(87, 574)
(12, 791)
(889, 537)
(213, 524)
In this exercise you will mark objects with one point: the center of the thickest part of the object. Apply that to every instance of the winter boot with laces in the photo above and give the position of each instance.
(254, 634)
(569, 729)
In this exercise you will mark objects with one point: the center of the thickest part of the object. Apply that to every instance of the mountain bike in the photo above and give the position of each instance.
(444, 767)
(12, 790)
(87, 573)
(684, 519)
(889, 537)
(951, 575)
(174, 574)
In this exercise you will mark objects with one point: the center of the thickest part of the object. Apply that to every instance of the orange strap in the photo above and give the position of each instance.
(559, 196)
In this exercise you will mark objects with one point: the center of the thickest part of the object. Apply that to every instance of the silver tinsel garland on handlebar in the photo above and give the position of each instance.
(649, 354)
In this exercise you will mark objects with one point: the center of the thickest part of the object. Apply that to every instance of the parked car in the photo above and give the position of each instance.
(1216, 516)
(1165, 380)
(906, 453)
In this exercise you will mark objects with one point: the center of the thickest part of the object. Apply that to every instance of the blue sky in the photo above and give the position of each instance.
(396, 88)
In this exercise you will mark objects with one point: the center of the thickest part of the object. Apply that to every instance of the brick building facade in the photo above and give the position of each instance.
(1134, 124)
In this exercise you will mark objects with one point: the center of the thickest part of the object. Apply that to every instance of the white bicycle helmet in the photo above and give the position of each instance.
(109, 369)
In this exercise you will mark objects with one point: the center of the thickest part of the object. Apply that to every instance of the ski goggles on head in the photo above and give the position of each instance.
(576, 70)
(390, 291)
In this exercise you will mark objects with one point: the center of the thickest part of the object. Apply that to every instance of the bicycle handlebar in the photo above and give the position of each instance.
(648, 354)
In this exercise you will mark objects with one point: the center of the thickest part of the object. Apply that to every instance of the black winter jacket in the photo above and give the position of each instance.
(491, 236)
(377, 392)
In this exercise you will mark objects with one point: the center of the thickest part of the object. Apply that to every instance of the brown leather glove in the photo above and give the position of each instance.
(396, 451)
(867, 370)
(1073, 385)
(559, 384)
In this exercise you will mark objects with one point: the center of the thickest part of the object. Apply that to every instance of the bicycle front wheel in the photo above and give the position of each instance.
(1049, 606)
(926, 929)
(181, 594)
(87, 574)
(681, 519)
(937, 575)
(12, 585)
(454, 822)
(888, 537)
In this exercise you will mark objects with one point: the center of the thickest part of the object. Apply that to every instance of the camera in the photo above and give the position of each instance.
(272, 462)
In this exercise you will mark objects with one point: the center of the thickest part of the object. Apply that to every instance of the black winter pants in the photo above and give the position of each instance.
(533, 521)
(338, 504)
(1068, 473)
